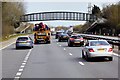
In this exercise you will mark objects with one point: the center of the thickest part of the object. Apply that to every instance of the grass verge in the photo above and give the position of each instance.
(10, 37)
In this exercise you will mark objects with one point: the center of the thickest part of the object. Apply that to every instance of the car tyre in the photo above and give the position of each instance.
(83, 56)
(87, 58)
(110, 58)
(59, 40)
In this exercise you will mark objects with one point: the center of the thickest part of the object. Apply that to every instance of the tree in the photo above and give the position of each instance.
(96, 11)
(11, 12)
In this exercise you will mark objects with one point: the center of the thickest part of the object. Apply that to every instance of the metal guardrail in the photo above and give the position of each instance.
(111, 40)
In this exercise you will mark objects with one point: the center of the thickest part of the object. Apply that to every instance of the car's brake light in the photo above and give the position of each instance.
(71, 38)
(81, 38)
(28, 41)
(110, 50)
(91, 50)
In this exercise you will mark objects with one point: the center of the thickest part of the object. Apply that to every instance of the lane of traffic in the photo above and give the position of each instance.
(99, 68)
(11, 60)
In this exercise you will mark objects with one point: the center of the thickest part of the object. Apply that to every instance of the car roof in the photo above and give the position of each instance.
(22, 36)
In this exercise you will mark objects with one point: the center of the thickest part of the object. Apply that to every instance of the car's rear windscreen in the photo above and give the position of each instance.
(97, 43)
(22, 38)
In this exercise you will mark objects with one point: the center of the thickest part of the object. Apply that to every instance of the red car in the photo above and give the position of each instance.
(75, 40)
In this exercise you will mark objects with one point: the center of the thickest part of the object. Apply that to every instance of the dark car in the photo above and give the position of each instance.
(76, 40)
(63, 36)
(57, 34)
(24, 41)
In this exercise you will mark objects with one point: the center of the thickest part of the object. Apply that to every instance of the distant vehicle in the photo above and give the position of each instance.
(58, 33)
(24, 41)
(75, 40)
(97, 48)
(42, 33)
(63, 36)
(69, 33)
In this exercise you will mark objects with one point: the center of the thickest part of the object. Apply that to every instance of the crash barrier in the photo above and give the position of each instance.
(115, 41)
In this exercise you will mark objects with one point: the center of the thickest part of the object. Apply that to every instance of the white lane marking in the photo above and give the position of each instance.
(7, 46)
(81, 63)
(23, 63)
(64, 49)
(115, 54)
(59, 45)
(18, 73)
(17, 77)
(70, 54)
(20, 69)
(22, 66)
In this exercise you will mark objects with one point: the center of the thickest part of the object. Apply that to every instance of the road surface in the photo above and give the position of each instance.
(55, 60)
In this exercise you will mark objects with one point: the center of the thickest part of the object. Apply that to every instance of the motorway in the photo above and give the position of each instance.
(55, 60)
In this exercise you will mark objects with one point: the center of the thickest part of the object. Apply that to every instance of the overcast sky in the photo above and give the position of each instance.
(34, 6)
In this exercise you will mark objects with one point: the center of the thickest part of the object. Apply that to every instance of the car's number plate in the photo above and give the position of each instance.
(101, 50)
(76, 42)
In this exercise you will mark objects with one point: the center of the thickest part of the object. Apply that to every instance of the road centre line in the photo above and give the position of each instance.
(64, 49)
(59, 45)
(81, 63)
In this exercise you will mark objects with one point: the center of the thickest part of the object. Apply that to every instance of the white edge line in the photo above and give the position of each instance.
(7, 46)
(81, 63)
(115, 54)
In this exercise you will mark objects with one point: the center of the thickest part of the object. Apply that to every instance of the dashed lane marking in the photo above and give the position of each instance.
(22, 66)
(17, 77)
(81, 63)
(70, 54)
(59, 45)
(19, 73)
(20, 69)
(64, 49)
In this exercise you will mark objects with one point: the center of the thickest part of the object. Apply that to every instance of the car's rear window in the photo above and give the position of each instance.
(22, 38)
(42, 34)
(76, 37)
(98, 43)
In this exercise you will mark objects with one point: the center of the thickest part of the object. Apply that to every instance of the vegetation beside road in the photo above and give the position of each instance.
(11, 12)
(12, 36)
(111, 14)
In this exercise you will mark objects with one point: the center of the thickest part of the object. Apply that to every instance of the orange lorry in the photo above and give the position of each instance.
(42, 33)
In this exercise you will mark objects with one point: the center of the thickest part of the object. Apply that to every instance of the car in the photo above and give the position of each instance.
(24, 41)
(63, 36)
(57, 34)
(97, 48)
(75, 40)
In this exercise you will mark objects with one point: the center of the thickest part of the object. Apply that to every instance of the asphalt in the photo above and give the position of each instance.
(55, 60)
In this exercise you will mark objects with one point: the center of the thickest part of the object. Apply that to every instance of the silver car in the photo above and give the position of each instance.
(24, 41)
(97, 48)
